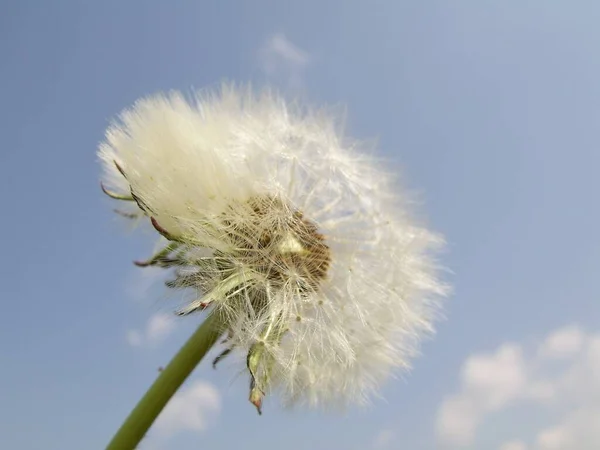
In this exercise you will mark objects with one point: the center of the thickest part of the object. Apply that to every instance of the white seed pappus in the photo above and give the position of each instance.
(275, 219)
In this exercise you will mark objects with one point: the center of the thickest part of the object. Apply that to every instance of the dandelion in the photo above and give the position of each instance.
(299, 241)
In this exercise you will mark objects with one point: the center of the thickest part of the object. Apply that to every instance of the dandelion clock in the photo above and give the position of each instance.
(291, 243)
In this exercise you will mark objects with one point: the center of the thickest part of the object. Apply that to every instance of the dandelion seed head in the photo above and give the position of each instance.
(303, 242)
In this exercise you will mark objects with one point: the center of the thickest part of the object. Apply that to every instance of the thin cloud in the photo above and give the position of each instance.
(283, 61)
(158, 327)
(142, 281)
(514, 445)
(134, 338)
(384, 438)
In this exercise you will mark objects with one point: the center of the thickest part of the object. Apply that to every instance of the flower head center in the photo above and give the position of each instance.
(278, 241)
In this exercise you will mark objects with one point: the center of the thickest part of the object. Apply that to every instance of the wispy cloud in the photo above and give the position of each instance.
(559, 374)
(513, 445)
(158, 327)
(283, 62)
(142, 281)
(193, 408)
(384, 438)
(134, 338)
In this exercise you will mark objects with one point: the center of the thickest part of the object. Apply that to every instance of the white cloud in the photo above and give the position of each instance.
(495, 380)
(158, 327)
(384, 438)
(514, 445)
(560, 375)
(283, 61)
(563, 343)
(580, 430)
(490, 382)
(192, 409)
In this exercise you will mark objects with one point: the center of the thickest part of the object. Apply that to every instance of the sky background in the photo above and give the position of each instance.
(493, 110)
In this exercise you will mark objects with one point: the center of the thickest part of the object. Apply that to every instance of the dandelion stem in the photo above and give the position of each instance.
(170, 379)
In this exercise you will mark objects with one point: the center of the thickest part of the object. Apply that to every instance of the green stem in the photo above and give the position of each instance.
(170, 379)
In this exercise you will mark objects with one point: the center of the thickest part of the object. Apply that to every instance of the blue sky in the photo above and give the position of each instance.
(492, 109)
